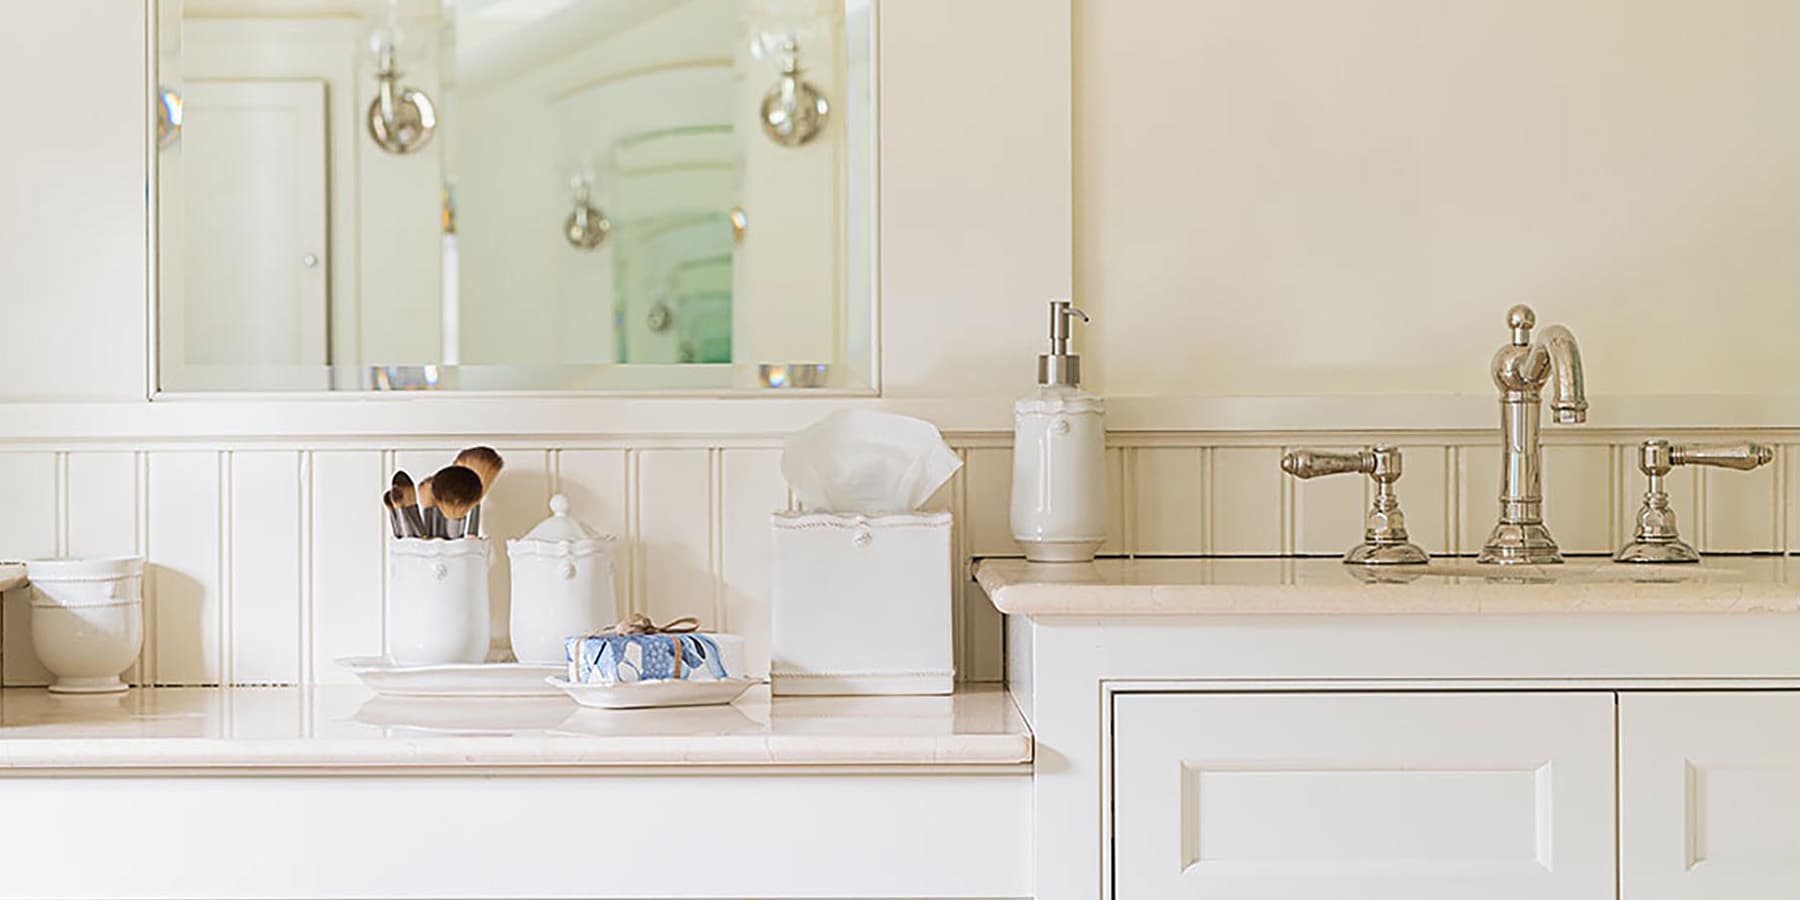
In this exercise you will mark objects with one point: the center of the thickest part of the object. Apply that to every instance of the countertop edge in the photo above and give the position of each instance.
(595, 755)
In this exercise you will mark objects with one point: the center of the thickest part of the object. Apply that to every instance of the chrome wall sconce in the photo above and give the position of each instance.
(587, 227)
(402, 119)
(168, 117)
(793, 111)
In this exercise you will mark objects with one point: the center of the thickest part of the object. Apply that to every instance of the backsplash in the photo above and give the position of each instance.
(268, 559)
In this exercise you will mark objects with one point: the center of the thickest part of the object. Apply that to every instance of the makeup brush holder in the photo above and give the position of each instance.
(437, 604)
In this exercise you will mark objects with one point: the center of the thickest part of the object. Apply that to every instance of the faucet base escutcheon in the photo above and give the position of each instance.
(1520, 544)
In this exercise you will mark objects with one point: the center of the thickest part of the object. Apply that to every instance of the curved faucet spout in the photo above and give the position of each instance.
(1557, 345)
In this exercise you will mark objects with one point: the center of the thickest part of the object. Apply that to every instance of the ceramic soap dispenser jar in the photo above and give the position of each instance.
(1059, 456)
(562, 585)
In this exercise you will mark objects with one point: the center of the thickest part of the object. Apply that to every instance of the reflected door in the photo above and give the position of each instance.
(255, 271)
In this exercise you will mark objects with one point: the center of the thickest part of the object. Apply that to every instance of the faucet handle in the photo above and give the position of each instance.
(1384, 525)
(1657, 539)
(1742, 457)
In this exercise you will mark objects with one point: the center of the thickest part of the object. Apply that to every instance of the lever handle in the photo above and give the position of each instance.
(1742, 457)
(1380, 462)
(1657, 539)
(1657, 457)
(1384, 525)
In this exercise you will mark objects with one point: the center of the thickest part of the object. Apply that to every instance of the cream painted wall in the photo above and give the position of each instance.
(1296, 197)
(72, 213)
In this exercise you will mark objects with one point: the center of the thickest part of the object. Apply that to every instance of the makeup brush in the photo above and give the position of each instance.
(407, 530)
(456, 489)
(428, 506)
(483, 461)
(387, 500)
(406, 497)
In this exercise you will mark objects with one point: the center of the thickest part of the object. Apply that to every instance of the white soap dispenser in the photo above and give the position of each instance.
(1059, 456)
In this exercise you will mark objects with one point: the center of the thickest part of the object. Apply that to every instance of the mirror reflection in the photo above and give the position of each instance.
(514, 194)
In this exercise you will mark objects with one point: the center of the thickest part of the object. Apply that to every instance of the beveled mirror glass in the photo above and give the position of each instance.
(599, 195)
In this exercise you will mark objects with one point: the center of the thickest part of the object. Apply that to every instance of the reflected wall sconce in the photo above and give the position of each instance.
(402, 119)
(587, 227)
(740, 223)
(168, 117)
(793, 111)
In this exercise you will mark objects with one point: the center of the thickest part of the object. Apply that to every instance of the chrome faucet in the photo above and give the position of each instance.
(1521, 369)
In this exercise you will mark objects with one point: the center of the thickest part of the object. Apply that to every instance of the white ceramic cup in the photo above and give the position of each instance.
(87, 620)
(437, 604)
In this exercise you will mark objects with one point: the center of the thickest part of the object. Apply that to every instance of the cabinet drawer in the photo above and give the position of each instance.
(1709, 795)
(1344, 796)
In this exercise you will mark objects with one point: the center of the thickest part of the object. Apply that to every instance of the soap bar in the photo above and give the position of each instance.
(615, 658)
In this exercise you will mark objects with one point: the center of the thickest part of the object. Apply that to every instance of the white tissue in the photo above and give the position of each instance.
(874, 463)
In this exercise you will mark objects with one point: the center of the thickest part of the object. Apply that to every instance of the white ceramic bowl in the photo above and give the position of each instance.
(87, 620)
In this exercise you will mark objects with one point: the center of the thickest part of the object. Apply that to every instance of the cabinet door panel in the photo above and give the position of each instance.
(1709, 798)
(1363, 796)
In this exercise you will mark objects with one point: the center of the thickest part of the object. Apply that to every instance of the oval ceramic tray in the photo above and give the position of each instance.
(646, 694)
(383, 676)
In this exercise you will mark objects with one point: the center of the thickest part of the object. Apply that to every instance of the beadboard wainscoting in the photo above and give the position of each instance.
(268, 562)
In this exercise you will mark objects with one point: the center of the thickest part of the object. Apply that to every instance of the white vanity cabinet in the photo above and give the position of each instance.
(1383, 796)
(1709, 795)
(1279, 729)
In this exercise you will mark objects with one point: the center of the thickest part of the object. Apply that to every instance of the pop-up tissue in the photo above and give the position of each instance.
(861, 578)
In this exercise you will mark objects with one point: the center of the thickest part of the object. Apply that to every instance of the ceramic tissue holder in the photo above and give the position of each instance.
(861, 583)
(861, 604)
(437, 604)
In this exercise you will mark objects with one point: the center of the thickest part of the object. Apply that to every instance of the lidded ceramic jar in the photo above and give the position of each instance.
(562, 585)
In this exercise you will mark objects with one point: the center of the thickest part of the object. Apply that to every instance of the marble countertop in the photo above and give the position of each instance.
(1292, 586)
(352, 728)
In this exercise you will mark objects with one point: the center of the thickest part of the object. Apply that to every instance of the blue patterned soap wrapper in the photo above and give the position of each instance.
(614, 658)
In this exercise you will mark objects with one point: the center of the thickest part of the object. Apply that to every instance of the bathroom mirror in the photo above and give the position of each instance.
(587, 195)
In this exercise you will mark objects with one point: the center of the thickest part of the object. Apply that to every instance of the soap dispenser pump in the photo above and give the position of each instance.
(1059, 455)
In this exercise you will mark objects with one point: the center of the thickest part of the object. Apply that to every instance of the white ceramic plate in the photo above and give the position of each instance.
(643, 694)
(382, 676)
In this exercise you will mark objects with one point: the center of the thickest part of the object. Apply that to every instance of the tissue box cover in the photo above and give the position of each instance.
(861, 604)
(614, 658)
